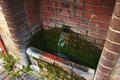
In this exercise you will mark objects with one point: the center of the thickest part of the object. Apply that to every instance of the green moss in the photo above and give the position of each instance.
(55, 73)
(9, 61)
(79, 50)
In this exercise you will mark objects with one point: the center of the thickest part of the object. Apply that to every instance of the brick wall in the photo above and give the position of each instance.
(89, 17)
(22, 21)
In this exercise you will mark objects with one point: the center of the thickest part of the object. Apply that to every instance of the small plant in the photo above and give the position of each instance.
(8, 61)
(13, 74)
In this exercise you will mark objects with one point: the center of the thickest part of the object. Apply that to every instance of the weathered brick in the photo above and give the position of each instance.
(14, 18)
(102, 10)
(75, 19)
(51, 20)
(71, 24)
(98, 24)
(84, 27)
(85, 14)
(32, 10)
(101, 76)
(106, 62)
(66, 11)
(106, 18)
(93, 29)
(113, 36)
(109, 56)
(51, 24)
(47, 14)
(117, 10)
(75, 13)
(29, 4)
(96, 35)
(43, 2)
(115, 23)
(58, 10)
(100, 41)
(104, 69)
(51, 9)
(112, 47)
(77, 1)
(81, 7)
(64, 17)
(11, 3)
(45, 21)
(102, 31)
(14, 10)
(66, 5)
(58, 4)
(43, 8)
(109, 3)
(93, 2)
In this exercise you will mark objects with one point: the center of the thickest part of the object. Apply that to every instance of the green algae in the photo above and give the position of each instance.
(77, 49)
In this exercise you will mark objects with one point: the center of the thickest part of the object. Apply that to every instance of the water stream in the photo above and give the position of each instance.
(62, 41)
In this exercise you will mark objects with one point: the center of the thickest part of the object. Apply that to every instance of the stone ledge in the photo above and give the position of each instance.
(70, 67)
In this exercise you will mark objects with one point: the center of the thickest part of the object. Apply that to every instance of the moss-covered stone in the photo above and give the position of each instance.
(77, 49)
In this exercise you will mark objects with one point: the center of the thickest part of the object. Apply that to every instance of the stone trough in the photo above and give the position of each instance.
(71, 67)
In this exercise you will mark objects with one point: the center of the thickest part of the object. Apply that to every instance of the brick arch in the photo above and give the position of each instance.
(111, 48)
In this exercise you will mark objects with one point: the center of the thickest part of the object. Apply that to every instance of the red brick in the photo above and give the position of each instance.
(109, 3)
(51, 20)
(113, 36)
(47, 14)
(93, 29)
(33, 19)
(51, 24)
(75, 19)
(58, 4)
(64, 17)
(75, 13)
(100, 17)
(115, 24)
(43, 8)
(58, 10)
(93, 2)
(104, 70)
(96, 35)
(100, 41)
(102, 31)
(32, 10)
(84, 27)
(117, 10)
(71, 24)
(43, 2)
(102, 10)
(66, 11)
(98, 24)
(109, 56)
(101, 76)
(85, 14)
(51, 9)
(66, 4)
(95, 16)
(79, 20)
(106, 18)
(52, 3)
(81, 7)
(30, 4)
(106, 62)
(112, 47)
(45, 21)
(77, 1)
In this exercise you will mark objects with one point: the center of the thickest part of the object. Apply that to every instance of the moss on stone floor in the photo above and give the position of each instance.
(77, 49)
